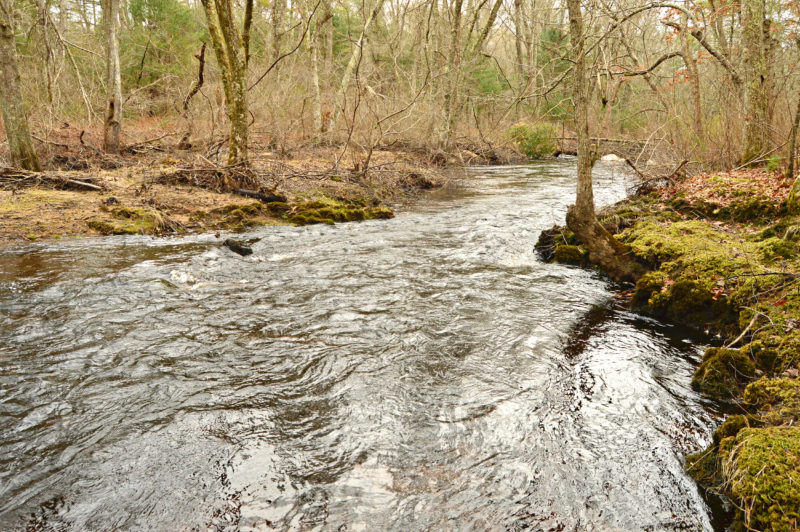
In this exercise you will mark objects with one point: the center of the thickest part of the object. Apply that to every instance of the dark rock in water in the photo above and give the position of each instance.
(238, 247)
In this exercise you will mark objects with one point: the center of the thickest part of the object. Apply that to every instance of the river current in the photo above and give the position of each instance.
(423, 373)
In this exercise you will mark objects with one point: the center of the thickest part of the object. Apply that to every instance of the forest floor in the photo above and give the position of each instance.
(723, 255)
(155, 189)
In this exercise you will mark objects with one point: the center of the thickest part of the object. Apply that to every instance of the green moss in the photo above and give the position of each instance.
(744, 208)
(730, 427)
(130, 221)
(329, 211)
(101, 226)
(774, 248)
(647, 286)
(692, 247)
(566, 254)
(777, 400)
(379, 213)
(776, 350)
(278, 208)
(723, 373)
(763, 474)
(754, 210)
(792, 233)
(786, 228)
(240, 212)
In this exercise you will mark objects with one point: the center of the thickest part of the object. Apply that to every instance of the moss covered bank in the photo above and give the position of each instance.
(722, 255)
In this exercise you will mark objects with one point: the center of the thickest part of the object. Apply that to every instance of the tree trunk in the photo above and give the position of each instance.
(112, 127)
(755, 133)
(278, 7)
(604, 250)
(20, 142)
(232, 50)
(316, 97)
(793, 202)
(519, 66)
(694, 79)
(452, 92)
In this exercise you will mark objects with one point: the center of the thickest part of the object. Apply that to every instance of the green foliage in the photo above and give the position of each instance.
(774, 163)
(488, 80)
(535, 141)
(346, 27)
(171, 34)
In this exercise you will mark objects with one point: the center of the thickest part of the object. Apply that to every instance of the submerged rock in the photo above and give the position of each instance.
(238, 247)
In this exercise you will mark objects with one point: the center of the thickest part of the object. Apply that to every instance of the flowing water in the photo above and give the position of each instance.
(422, 373)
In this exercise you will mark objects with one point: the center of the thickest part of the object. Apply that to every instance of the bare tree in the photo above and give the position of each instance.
(20, 143)
(112, 126)
(232, 50)
(756, 75)
(604, 249)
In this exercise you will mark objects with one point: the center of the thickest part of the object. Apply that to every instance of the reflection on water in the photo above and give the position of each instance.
(422, 373)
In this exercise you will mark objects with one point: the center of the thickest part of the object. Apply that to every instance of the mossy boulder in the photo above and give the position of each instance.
(685, 300)
(240, 210)
(763, 474)
(723, 373)
(130, 221)
(566, 254)
(742, 209)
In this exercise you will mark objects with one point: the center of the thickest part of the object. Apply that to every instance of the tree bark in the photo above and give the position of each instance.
(793, 203)
(694, 78)
(20, 142)
(232, 50)
(755, 134)
(604, 250)
(112, 127)
(316, 99)
(451, 95)
(278, 7)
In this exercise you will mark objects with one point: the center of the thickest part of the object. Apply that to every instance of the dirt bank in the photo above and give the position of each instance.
(723, 255)
(159, 191)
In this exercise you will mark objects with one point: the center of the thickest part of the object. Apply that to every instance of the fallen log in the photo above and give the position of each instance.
(266, 198)
(15, 178)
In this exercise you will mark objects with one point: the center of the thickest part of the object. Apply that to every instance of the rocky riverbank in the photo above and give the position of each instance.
(723, 255)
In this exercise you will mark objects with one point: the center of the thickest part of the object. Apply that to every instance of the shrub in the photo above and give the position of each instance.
(535, 141)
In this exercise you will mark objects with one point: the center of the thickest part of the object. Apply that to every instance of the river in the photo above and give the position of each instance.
(423, 373)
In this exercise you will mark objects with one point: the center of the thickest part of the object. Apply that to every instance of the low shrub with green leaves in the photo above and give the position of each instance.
(536, 141)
